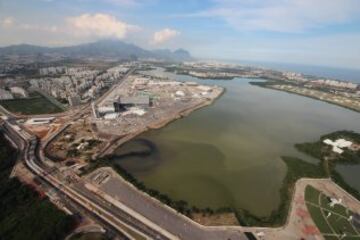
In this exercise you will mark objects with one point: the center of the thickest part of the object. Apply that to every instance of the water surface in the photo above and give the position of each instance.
(229, 154)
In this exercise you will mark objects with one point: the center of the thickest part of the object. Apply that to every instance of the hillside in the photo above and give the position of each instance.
(100, 49)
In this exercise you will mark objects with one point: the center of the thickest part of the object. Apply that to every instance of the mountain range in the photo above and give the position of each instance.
(101, 49)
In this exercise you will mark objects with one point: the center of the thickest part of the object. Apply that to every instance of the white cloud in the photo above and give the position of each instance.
(7, 22)
(164, 35)
(99, 25)
(123, 2)
(283, 15)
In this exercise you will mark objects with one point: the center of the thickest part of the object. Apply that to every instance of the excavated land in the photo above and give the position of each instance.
(169, 101)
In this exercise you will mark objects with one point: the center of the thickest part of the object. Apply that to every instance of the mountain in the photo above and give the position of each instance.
(180, 54)
(100, 49)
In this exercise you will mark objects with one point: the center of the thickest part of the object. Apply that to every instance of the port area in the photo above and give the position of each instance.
(142, 102)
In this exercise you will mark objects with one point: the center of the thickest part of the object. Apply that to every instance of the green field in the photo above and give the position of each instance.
(37, 104)
(335, 225)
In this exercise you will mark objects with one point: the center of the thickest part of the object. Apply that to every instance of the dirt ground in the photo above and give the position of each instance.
(221, 219)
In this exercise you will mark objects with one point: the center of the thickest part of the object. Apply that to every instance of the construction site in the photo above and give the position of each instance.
(136, 104)
(143, 102)
(75, 144)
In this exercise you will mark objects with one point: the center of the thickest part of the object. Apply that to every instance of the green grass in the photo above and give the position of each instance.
(339, 209)
(318, 219)
(337, 223)
(312, 195)
(320, 150)
(37, 104)
(341, 225)
(331, 238)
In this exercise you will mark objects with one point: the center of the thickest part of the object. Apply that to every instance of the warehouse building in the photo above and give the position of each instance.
(127, 102)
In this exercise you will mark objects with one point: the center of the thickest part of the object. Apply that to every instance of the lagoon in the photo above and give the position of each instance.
(229, 154)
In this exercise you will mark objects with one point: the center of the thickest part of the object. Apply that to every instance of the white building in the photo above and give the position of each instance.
(4, 95)
(111, 116)
(334, 201)
(19, 91)
(39, 121)
(180, 93)
(338, 145)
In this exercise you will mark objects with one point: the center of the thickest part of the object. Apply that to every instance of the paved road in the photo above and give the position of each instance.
(164, 217)
(98, 207)
(161, 216)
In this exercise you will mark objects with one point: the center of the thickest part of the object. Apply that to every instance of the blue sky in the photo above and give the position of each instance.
(316, 32)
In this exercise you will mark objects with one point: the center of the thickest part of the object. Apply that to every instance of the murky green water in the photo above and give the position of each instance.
(229, 154)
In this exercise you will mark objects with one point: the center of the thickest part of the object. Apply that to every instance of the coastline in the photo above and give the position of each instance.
(118, 141)
(304, 95)
(268, 86)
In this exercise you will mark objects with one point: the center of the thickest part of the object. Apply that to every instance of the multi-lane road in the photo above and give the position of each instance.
(113, 216)
(140, 215)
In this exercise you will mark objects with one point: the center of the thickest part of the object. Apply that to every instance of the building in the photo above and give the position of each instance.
(111, 116)
(74, 100)
(106, 109)
(4, 95)
(39, 121)
(19, 91)
(94, 110)
(127, 102)
(338, 145)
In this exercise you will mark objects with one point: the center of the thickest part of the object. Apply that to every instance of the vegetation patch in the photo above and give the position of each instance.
(322, 151)
(23, 213)
(37, 104)
(330, 159)
(332, 221)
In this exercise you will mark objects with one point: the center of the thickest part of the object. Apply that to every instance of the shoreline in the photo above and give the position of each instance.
(269, 87)
(120, 140)
(304, 95)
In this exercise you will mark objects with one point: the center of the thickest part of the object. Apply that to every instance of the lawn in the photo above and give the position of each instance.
(37, 104)
(333, 226)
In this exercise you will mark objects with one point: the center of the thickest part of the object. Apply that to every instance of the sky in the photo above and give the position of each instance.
(311, 32)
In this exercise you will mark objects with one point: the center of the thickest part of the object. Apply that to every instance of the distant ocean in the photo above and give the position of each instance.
(351, 75)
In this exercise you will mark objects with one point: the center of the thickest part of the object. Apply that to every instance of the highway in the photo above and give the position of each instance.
(136, 211)
(113, 216)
